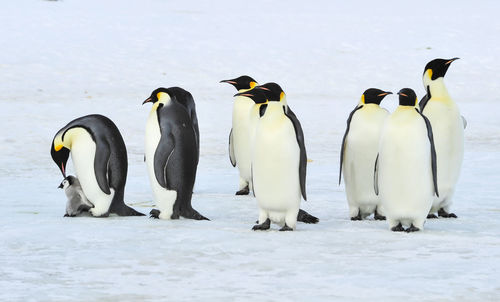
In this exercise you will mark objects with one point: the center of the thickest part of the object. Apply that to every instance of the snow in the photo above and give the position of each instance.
(64, 59)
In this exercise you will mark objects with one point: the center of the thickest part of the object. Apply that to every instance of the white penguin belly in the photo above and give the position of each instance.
(447, 127)
(359, 158)
(83, 154)
(404, 169)
(242, 143)
(163, 198)
(276, 169)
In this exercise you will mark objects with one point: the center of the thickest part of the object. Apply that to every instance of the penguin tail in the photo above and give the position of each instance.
(305, 217)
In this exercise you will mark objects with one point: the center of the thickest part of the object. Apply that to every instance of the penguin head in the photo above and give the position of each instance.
(243, 82)
(68, 181)
(407, 97)
(436, 69)
(273, 92)
(258, 96)
(59, 153)
(161, 95)
(374, 96)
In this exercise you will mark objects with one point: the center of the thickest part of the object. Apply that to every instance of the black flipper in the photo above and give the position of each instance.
(303, 155)
(424, 100)
(375, 176)
(433, 152)
(231, 149)
(101, 165)
(343, 139)
(162, 155)
(262, 110)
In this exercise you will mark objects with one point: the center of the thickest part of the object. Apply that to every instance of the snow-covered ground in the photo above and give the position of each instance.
(63, 59)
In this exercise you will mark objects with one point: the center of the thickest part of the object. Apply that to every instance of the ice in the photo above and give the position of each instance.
(63, 59)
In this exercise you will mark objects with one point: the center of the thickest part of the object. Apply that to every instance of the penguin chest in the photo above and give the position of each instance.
(164, 199)
(404, 166)
(361, 150)
(83, 154)
(242, 134)
(276, 166)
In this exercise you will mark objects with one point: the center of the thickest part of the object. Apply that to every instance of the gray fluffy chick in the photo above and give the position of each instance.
(77, 201)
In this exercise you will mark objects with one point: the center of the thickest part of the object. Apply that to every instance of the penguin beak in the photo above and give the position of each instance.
(60, 186)
(63, 170)
(148, 100)
(229, 82)
(451, 60)
(385, 93)
(244, 94)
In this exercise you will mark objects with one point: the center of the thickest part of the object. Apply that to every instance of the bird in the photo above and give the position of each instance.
(448, 127)
(77, 201)
(405, 167)
(100, 160)
(171, 155)
(358, 152)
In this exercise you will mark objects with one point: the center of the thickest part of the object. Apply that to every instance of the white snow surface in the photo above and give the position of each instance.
(63, 59)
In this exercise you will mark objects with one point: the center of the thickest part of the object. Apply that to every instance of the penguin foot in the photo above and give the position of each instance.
(358, 217)
(378, 217)
(244, 191)
(263, 226)
(411, 229)
(286, 228)
(305, 217)
(444, 214)
(154, 214)
(193, 214)
(398, 228)
(67, 215)
(431, 216)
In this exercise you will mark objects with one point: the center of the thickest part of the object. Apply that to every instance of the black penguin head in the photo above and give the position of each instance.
(273, 91)
(60, 155)
(437, 68)
(242, 82)
(258, 96)
(374, 96)
(68, 181)
(407, 97)
(154, 97)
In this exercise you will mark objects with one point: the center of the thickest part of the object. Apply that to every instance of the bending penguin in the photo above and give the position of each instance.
(100, 161)
(448, 127)
(358, 153)
(278, 165)
(405, 168)
(240, 145)
(77, 201)
(171, 155)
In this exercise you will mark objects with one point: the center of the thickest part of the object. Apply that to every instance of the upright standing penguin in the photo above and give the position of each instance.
(171, 156)
(448, 127)
(358, 153)
(278, 166)
(100, 160)
(240, 144)
(405, 168)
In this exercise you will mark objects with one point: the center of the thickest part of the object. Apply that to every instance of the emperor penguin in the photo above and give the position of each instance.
(240, 144)
(405, 169)
(358, 152)
(171, 156)
(274, 93)
(278, 165)
(448, 127)
(100, 160)
(77, 201)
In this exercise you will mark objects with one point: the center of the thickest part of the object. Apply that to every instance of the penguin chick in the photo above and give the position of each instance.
(77, 201)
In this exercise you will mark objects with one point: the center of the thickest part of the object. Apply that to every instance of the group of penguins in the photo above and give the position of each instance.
(402, 167)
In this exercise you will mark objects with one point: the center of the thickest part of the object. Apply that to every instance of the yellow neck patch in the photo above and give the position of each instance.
(252, 85)
(363, 99)
(282, 95)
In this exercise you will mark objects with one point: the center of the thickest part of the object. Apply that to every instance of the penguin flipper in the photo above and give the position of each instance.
(231, 149)
(342, 147)
(303, 155)
(423, 102)
(163, 152)
(464, 121)
(101, 165)
(375, 176)
(433, 152)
